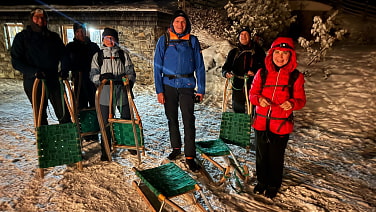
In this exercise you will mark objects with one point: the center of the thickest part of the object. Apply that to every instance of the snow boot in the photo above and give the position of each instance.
(193, 166)
(174, 154)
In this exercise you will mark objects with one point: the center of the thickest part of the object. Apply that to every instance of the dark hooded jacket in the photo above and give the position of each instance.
(81, 53)
(277, 92)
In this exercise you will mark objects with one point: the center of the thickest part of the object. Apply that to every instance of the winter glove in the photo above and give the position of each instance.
(40, 75)
(106, 76)
(64, 75)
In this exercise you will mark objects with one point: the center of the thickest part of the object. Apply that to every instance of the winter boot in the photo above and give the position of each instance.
(259, 188)
(174, 154)
(132, 151)
(271, 192)
(193, 166)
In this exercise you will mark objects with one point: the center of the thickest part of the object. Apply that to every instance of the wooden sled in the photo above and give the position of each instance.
(159, 186)
(235, 129)
(126, 134)
(87, 117)
(57, 144)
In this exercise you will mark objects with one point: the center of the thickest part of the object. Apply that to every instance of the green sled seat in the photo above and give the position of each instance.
(159, 185)
(235, 129)
(88, 122)
(58, 145)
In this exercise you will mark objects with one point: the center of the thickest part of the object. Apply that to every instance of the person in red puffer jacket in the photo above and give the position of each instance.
(275, 98)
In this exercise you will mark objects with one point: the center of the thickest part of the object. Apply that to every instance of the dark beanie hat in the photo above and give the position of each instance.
(247, 29)
(78, 25)
(110, 32)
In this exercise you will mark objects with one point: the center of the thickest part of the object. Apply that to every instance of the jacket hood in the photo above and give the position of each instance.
(282, 44)
(181, 13)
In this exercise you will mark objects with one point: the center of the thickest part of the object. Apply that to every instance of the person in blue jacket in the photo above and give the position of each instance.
(178, 69)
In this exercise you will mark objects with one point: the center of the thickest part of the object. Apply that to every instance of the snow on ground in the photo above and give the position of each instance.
(329, 163)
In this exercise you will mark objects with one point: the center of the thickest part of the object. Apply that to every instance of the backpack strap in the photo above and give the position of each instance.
(101, 57)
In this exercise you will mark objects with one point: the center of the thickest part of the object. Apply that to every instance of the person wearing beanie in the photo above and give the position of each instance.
(115, 63)
(276, 96)
(36, 52)
(178, 69)
(81, 51)
(242, 61)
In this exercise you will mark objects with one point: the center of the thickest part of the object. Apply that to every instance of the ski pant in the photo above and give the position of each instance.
(105, 110)
(53, 93)
(183, 98)
(270, 151)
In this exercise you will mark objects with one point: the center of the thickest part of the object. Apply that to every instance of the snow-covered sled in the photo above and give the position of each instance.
(127, 134)
(57, 144)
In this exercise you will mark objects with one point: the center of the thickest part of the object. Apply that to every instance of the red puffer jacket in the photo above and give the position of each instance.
(279, 122)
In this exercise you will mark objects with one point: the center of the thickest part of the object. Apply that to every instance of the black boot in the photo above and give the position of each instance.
(193, 166)
(174, 154)
(259, 188)
(271, 192)
(132, 151)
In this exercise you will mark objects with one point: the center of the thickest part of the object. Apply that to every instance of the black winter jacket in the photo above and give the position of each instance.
(38, 52)
(242, 59)
(81, 54)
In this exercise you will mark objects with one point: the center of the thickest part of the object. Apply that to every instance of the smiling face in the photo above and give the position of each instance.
(109, 41)
(180, 25)
(281, 58)
(244, 38)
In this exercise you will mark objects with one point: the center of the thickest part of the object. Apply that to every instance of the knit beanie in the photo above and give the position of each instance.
(247, 29)
(110, 32)
(78, 25)
(38, 10)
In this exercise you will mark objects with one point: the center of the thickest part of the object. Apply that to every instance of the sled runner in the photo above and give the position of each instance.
(235, 129)
(87, 117)
(57, 144)
(127, 134)
(163, 184)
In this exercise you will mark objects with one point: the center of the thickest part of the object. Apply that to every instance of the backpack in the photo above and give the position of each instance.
(293, 77)
(167, 40)
(101, 57)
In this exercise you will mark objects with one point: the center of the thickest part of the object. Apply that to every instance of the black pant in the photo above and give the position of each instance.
(238, 101)
(87, 90)
(270, 151)
(53, 93)
(105, 110)
(182, 97)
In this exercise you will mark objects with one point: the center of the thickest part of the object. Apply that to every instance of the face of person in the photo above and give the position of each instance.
(109, 41)
(244, 38)
(80, 34)
(39, 19)
(281, 58)
(179, 24)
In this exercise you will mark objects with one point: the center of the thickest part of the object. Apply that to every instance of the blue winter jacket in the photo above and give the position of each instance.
(179, 58)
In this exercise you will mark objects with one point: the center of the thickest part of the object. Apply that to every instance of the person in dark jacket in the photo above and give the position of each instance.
(244, 60)
(178, 68)
(274, 107)
(81, 51)
(113, 68)
(36, 52)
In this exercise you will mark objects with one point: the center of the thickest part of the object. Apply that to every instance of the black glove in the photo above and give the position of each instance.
(64, 75)
(106, 76)
(40, 75)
